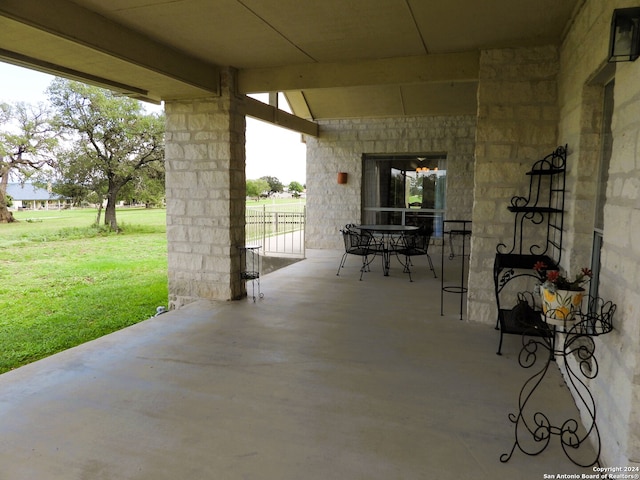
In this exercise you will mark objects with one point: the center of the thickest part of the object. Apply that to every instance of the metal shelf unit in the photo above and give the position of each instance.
(461, 230)
(543, 208)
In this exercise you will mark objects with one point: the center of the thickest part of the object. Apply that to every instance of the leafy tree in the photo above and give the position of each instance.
(275, 185)
(255, 188)
(75, 179)
(113, 141)
(148, 189)
(27, 142)
(296, 188)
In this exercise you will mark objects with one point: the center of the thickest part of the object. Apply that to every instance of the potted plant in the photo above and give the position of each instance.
(561, 296)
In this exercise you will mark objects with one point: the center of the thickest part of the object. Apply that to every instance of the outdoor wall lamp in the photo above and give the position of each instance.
(624, 45)
(342, 178)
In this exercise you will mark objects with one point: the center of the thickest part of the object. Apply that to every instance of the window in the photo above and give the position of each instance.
(603, 175)
(404, 189)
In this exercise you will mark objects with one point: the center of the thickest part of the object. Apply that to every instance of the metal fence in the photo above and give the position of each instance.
(278, 228)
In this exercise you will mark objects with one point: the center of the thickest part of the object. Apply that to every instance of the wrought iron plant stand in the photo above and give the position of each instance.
(533, 428)
(251, 267)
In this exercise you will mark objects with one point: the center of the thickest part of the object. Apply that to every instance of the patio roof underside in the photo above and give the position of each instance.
(333, 59)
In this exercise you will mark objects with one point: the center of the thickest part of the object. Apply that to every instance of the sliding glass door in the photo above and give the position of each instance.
(404, 189)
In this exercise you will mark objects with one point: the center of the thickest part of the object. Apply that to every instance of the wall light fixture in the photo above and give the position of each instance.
(624, 44)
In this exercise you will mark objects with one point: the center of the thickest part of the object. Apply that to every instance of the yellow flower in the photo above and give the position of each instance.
(577, 300)
(549, 296)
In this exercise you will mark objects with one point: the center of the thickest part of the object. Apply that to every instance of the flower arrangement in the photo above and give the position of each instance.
(554, 280)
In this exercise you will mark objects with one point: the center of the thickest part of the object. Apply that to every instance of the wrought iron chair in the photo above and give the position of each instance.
(412, 245)
(358, 243)
(525, 319)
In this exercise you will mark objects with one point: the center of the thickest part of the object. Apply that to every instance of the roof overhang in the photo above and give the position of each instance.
(332, 59)
(61, 38)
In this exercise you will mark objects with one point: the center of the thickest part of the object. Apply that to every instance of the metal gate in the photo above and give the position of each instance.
(278, 228)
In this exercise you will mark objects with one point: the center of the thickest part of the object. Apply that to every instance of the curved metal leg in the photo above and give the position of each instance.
(342, 261)
(533, 429)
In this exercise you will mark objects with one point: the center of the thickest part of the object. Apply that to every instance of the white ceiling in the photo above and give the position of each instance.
(334, 58)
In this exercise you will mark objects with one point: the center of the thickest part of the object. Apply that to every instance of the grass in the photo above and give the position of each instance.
(63, 282)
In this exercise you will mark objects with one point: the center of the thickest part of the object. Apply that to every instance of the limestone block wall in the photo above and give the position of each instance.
(205, 189)
(617, 387)
(517, 125)
(340, 148)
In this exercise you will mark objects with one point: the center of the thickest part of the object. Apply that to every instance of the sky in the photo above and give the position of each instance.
(270, 150)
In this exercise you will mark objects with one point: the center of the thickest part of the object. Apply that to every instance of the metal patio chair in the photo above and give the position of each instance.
(413, 245)
(358, 243)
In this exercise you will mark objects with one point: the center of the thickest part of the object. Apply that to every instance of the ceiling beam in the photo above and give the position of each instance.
(299, 104)
(45, 67)
(268, 113)
(67, 20)
(449, 67)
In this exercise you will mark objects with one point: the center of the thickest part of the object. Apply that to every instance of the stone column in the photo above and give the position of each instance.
(205, 189)
(517, 125)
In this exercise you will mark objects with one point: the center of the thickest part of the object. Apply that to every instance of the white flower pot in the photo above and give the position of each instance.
(561, 306)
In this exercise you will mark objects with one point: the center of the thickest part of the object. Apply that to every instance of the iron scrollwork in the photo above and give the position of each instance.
(533, 428)
(544, 204)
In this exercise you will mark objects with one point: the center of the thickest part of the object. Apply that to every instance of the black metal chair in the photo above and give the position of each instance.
(358, 243)
(525, 319)
(414, 244)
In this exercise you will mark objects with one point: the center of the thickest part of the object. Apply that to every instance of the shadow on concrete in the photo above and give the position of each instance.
(273, 263)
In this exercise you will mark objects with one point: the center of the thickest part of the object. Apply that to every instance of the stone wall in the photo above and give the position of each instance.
(205, 189)
(583, 58)
(340, 148)
(517, 125)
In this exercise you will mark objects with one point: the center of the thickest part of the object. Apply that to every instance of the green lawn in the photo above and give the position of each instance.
(62, 283)
(47, 225)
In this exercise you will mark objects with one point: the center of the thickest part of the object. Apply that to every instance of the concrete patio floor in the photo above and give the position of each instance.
(326, 377)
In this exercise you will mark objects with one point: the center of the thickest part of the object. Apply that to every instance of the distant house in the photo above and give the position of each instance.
(29, 197)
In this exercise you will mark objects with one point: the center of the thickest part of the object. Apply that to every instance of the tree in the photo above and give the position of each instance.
(113, 142)
(275, 185)
(148, 188)
(74, 179)
(255, 188)
(27, 142)
(296, 188)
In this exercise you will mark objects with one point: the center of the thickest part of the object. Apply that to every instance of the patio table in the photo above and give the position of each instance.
(388, 235)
